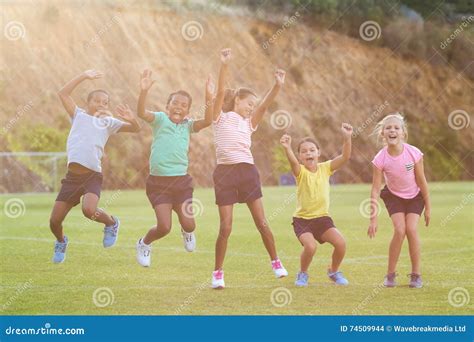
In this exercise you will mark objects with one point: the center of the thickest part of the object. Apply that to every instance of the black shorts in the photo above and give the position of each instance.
(236, 183)
(169, 189)
(317, 226)
(77, 184)
(395, 204)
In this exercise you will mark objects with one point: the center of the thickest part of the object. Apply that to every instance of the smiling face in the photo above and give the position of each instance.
(393, 132)
(178, 107)
(97, 101)
(308, 154)
(244, 106)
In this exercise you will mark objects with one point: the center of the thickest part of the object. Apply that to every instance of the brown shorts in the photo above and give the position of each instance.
(169, 189)
(317, 226)
(395, 204)
(75, 185)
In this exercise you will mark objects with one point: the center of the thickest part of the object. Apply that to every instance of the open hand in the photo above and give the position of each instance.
(145, 80)
(124, 112)
(93, 74)
(372, 230)
(427, 216)
(210, 86)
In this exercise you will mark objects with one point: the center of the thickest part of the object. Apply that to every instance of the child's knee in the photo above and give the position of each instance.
(339, 243)
(188, 226)
(54, 222)
(164, 228)
(89, 212)
(399, 230)
(411, 232)
(262, 226)
(225, 230)
(310, 247)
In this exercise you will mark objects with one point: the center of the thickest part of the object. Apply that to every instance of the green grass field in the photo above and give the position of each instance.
(178, 282)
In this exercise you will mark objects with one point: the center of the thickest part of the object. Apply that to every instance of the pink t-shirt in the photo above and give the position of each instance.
(399, 171)
(232, 136)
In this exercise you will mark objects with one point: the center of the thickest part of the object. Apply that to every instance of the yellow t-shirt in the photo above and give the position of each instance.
(313, 191)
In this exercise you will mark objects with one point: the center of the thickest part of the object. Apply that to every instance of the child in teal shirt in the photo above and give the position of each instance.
(169, 187)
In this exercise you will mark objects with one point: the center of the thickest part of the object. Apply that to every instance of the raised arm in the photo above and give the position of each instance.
(131, 123)
(374, 196)
(209, 96)
(340, 160)
(226, 56)
(145, 84)
(423, 185)
(295, 165)
(257, 114)
(65, 92)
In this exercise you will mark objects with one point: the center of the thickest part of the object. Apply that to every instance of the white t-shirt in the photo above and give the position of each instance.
(87, 138)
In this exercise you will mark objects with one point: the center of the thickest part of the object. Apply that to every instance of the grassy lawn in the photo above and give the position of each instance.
(178, 282)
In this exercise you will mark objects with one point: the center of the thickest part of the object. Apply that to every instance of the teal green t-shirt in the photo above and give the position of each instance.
(169, 149)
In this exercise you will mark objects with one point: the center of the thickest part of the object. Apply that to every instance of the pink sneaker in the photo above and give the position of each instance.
(218, 279)
(278, 269)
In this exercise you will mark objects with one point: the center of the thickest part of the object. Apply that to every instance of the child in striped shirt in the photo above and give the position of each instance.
(236, 179)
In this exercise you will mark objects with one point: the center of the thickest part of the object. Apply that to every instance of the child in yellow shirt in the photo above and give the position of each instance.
(311, 220)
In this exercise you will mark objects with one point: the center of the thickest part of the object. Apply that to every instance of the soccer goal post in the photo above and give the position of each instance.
(25, 172)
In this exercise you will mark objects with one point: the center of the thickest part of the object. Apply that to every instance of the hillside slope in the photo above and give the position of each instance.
(331, 78)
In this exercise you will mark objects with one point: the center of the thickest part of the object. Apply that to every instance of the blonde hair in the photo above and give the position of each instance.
(381, 124)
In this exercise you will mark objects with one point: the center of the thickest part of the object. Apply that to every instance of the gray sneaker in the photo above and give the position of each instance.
(415, 280)
(111, 233)
(389, 280)
(60, 251)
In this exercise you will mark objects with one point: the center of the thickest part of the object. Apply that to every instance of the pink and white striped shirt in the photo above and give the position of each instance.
(233, 138)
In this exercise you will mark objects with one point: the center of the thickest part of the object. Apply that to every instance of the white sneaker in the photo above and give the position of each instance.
(278, 269)
(143, 253)
(189, 240)
(218, 279)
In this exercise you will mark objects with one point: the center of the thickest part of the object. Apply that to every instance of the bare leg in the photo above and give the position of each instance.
(60, 210)
(399, 231)
(225, 228)
(258, 214)
(163, 227)
(414, 244)
(335, 238)
(90, 210)
(309, 248)
(185, 216)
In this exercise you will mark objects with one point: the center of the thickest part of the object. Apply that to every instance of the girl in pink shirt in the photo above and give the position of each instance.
(405, 193)
(236, 179)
